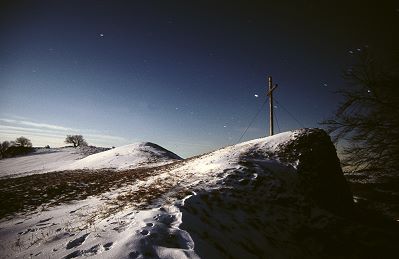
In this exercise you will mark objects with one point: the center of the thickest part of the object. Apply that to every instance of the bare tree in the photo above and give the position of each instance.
(76, 140)
(23, 142)
(3, 148)
(366, 123)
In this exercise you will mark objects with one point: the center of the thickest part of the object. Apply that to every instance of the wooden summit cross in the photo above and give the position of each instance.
(270, 94)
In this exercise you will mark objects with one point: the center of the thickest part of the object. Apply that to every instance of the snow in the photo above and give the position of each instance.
(43, 160)
(78, 229)
(66, 232)
(125, 157)
(59, 159)
(202, 211)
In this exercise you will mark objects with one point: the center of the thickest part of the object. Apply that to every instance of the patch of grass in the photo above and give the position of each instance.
(146, 195)
(27, 193)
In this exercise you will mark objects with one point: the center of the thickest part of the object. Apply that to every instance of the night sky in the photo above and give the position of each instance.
(187, 75)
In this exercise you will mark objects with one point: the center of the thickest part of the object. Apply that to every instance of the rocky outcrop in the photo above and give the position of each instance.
(319, 170)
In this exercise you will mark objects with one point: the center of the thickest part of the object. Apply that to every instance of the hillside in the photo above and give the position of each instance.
(277, 197)
(126, 157)
(44, 160)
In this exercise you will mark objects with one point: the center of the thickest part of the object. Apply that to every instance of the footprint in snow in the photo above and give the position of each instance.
(73, 254)
(27, 231)
(46, 224)
(134, 254)
(108, 246)
(94, 250)
(44, 220)
(144, 232)
(165, 218)
(76, 242)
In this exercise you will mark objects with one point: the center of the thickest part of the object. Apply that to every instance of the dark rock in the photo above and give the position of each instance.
(319, 169)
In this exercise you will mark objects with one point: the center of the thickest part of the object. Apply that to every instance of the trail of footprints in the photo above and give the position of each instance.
(160, 233)
(156, 232)
(71, 244)
(91, 251)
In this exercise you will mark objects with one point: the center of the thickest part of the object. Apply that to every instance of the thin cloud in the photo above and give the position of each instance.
(37, 125)
(56, 133)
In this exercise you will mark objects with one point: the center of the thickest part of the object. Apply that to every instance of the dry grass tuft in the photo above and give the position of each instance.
(27, 193)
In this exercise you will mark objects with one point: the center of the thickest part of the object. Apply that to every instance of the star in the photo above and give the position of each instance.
(101, 35)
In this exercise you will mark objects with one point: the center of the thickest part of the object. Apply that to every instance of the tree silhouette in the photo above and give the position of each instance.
(366, 123)
(76, 140)
(3, 148)
(23, 142)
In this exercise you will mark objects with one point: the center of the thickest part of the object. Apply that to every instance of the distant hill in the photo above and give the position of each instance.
(43, 160)
(144, 154)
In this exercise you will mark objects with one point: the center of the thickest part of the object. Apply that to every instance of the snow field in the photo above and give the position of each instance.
(171, 220)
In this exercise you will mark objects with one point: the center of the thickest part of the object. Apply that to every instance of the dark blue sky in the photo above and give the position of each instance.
(183, 74)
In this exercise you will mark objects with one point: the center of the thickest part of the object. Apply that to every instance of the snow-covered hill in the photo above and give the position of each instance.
(126, 157)
(278, 197)
(44, 160)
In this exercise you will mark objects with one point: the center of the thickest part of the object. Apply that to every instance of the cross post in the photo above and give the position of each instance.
(270, 94)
